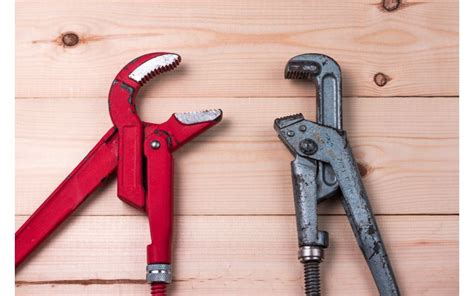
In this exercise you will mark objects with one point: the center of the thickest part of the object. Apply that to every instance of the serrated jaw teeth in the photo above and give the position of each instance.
(285, 121)
(301, 70)
(155, 66)
(199, 116)
(297, 75)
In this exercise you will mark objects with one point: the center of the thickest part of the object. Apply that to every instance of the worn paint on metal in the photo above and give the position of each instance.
(322, 148)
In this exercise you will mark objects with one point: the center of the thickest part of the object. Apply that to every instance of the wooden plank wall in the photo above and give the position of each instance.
(235, 226)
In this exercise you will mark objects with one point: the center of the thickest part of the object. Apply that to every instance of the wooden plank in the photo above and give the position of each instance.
(237, 48)
(409, 148)
(244, 255)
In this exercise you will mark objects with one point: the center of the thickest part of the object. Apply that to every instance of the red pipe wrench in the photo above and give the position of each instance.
(141, 153)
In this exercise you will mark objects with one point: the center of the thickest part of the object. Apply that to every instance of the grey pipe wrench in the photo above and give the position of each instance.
(323, 165)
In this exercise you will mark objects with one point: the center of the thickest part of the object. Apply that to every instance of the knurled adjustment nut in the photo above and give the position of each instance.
(158, 273)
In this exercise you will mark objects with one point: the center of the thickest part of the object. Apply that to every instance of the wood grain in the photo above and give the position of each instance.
(237, 48)
(239, 256)
(235, 229)
(240, 167)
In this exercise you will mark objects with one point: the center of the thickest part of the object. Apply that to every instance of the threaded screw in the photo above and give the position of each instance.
(312, 278)
(158, 289)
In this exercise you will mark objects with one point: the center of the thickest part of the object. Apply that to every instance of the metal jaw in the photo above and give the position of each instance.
(326, 74)
(321, 150)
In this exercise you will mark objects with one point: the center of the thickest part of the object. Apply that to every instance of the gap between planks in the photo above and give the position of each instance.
(84, 282)
(264, 215)
(256, 97)
(262, 254)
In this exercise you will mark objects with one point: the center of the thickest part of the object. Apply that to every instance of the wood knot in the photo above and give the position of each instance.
(391, 5)
(70, 39)
(364, 169)
(381, 79)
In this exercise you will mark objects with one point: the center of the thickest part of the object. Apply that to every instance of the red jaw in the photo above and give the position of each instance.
(140, 70)
(130, 79)
(131, 129)
(123, 113)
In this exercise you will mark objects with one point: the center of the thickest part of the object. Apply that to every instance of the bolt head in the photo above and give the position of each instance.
(308, 146)
(155, 144)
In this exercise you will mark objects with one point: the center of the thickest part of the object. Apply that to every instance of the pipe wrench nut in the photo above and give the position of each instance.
(159, 273)
(310, 253)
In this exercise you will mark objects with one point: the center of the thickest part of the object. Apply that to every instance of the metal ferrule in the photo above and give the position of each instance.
(158, 273)
(310, 253)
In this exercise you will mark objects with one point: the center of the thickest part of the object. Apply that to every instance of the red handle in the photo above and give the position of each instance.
(160, 141)
(159, 197)
(68, 196)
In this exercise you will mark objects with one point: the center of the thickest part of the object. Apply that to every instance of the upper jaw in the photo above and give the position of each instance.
(154, 66)
(142, 69)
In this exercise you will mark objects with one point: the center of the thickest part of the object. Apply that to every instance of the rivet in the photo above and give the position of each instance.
(155, 144)
(290, 133)
(308, 146)
(302, 128)
(70, 39)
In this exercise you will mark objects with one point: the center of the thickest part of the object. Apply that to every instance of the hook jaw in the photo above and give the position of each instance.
(325, 73)
(124, 116)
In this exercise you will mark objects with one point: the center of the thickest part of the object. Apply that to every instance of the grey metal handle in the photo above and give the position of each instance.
(363, 222)
(335, 149)
(321, 143)
(304, 172)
